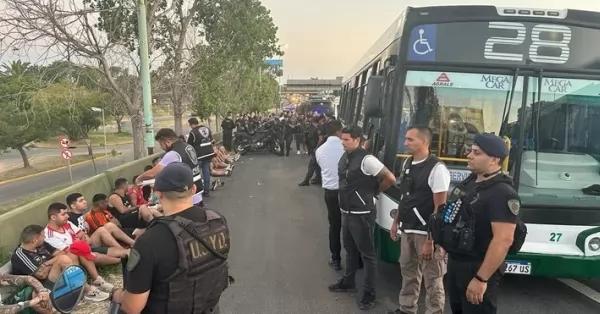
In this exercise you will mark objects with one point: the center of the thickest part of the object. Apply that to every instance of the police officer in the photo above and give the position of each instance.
(201, 139)
(228, 125)
(424, 185)
(478, 227)
(176, 151)
(361, 177)
(313, 138)
(189, 271)
(288, 132)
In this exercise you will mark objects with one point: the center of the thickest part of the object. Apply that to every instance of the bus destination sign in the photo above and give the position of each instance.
(517, 43)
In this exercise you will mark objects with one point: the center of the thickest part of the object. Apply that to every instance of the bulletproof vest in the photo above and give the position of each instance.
(453, 227)
(203, 142)
(416, 202)
(203, 271)
(188, 157)
(356, 189)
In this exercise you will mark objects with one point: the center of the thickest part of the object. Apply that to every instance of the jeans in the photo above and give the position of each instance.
(205, 166)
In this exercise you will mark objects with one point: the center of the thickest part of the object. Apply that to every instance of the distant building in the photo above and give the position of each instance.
(313, 86)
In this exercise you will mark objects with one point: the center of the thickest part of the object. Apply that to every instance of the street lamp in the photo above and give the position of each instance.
(96, 109)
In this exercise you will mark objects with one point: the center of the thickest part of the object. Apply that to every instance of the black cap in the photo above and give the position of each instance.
(176, 177)
(491, 144)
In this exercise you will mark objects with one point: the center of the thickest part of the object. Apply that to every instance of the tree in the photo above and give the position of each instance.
(21, 121)
(82, 32)
(227, 68)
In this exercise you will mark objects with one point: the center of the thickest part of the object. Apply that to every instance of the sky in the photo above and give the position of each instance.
(325, 38)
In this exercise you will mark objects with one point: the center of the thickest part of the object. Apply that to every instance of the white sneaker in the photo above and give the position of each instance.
(102, 284)
(95, 295)
(297, 152)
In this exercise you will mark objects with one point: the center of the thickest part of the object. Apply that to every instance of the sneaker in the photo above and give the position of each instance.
(342, 286)
(95, 295)
(368, 301)
(335, 264)
(102, 284)
(298, 152)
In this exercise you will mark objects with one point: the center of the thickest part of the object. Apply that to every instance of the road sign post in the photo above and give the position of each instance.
(68, 155)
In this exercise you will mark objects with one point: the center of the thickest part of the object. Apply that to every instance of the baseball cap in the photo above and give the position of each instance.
(491, 144)
(176, 177)
(83, 249)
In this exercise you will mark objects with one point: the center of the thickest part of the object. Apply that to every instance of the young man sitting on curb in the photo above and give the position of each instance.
(34, 257)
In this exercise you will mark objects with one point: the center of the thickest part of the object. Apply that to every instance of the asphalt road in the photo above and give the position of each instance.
(280, 251)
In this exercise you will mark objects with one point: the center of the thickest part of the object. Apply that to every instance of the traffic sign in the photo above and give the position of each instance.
(64, 142)
(66, 154)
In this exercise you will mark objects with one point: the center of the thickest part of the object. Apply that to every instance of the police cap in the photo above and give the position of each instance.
(176, 177)
(491, 144)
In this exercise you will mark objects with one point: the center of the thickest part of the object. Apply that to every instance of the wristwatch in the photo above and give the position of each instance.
(45, 290)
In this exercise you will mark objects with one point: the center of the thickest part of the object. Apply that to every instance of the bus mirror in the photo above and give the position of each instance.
(373, 108)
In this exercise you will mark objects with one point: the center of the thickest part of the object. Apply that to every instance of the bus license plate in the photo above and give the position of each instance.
(517, 267)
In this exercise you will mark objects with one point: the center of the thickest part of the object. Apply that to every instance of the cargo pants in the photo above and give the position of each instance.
(414, 270)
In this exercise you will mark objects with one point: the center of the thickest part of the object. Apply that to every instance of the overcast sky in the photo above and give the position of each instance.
(325, 38)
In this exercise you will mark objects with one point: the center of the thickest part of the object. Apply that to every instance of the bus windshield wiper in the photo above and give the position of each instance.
(508, 103)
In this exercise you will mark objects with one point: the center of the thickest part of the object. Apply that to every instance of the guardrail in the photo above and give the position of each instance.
(13, 222)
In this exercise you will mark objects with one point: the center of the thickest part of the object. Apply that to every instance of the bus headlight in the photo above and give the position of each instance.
(594, 244)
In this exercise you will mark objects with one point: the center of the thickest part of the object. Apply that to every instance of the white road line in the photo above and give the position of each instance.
(583, 289)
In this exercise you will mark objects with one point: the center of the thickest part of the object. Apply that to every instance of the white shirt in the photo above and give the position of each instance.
(439, 178)
(61, 240)
(371, 166)
(328, 156)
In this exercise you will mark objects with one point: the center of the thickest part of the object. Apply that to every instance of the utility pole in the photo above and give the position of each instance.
(145, 76)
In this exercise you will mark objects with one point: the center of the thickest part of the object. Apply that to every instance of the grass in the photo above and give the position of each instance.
(41, 164)
(4, 208)
(96, 140)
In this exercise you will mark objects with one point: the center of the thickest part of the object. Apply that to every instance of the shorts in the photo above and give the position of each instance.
(100, 250)
(26, 294)
(132, 220)
(129, 231)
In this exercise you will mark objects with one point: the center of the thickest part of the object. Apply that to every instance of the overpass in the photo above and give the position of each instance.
(313, 86)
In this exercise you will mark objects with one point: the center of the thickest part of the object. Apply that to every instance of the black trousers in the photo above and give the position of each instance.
(288, 139)
(313, 167)
(334, 215)
(456, 281)
(299, 139)
(357, 231)
(228, 139)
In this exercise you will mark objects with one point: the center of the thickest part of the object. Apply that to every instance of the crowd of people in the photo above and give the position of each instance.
(105, 231)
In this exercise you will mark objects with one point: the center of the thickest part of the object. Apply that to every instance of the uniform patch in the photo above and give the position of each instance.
(204, 131)
(514, 206)
(133, 260)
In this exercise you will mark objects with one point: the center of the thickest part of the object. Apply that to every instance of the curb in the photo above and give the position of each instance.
(51, 170)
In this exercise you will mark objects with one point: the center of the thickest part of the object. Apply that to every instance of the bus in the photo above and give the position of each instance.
(529, 75)
(320, 105)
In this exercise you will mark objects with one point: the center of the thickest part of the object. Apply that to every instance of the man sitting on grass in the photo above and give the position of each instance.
(64, 236)
(34, 257)
(99, 216)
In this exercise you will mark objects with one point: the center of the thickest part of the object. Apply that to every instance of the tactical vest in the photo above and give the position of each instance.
(187, 153)
(416, 201)
(453, 227)
(203, 142)
(203, 271)
(356, 189)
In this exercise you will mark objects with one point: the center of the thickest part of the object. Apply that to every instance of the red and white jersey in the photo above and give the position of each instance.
(61, 239)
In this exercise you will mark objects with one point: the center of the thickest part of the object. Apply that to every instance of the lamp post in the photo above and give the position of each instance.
(96, 109)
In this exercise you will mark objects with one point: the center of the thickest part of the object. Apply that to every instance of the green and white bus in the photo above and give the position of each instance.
(530, 75)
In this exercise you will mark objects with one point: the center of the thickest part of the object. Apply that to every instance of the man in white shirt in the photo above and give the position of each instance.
(424, 183)
(328, 157)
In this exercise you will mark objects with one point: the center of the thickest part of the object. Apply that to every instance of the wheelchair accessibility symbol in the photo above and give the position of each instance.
(421, 46)
(423, 41)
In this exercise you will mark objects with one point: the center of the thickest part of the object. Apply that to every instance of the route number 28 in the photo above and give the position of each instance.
(555, 236)
(560, 39)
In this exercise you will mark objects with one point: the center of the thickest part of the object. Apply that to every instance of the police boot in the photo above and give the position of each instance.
(304, 183)
(368, 301)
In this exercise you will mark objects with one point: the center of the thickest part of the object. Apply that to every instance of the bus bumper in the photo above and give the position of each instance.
(543, 265)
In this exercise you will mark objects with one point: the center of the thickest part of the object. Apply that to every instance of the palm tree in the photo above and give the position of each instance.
(15, 68)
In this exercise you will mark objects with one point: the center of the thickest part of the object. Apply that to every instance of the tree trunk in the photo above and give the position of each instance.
(178, 116)
(138, 132)
(23, 153)
(119, 126)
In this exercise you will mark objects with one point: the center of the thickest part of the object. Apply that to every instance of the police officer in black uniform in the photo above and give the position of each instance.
(201, 139)
(478, 227)
(288, 132)
(228, 125)
(313, 138)
(176, 151)
(179, 265)
(362, 177)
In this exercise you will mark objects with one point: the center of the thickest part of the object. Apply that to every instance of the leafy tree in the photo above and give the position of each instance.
(21, 121)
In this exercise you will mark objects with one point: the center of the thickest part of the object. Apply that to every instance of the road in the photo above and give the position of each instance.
(280, 251)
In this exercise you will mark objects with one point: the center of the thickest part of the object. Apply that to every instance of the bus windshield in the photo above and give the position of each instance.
(456, 106)
(562, 167)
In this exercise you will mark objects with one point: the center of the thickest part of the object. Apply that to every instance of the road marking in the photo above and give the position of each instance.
(583, 289)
